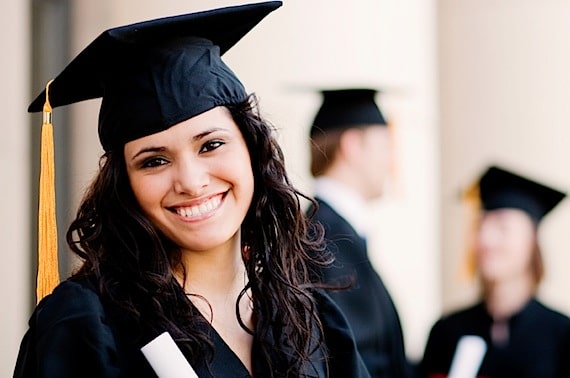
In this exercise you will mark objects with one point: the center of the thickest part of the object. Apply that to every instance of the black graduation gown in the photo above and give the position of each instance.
(538, 346)
(367, 304)
(70, 335)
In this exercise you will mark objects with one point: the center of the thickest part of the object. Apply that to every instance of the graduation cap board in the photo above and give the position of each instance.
(150, 75)
(347, 108)
(500, 188)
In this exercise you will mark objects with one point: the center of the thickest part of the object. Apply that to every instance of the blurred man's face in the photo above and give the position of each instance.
(376, 160)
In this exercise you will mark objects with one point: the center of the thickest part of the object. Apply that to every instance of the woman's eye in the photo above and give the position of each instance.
(154, 162)
(211, 145)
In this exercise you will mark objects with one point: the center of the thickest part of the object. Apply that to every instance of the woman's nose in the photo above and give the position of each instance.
(191, 177)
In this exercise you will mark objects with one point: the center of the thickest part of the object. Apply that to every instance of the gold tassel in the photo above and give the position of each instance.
(472, 204)
(48, 270)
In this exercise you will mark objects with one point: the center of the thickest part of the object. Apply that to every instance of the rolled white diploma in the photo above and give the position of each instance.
(167, 359)
(468, 357)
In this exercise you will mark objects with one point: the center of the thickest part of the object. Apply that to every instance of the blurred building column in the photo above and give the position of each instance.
(15, 159)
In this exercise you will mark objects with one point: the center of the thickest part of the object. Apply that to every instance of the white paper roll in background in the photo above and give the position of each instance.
(468, 357)
(167, 359)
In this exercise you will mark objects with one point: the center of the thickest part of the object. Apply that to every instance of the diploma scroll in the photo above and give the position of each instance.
(166, 359)
(468, 357)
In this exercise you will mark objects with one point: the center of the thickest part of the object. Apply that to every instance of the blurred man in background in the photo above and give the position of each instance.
(351, 158)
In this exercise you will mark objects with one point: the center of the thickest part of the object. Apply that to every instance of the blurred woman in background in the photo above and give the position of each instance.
(522, 337)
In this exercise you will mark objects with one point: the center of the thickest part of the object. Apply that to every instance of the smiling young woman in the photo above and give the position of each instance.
(190, 227)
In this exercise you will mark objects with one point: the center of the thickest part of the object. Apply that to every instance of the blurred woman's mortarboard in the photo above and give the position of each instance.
(500, 188)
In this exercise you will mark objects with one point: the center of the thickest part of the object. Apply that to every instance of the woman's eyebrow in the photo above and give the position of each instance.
(148, 149)
(196, 137)
(207, 132)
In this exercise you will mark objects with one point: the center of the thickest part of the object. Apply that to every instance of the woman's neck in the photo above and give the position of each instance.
(213, 281)
(505, 298)
(213, 273)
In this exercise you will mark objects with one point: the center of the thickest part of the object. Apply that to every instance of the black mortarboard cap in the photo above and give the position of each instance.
(499, 188)
(152, 75)
(347, 108)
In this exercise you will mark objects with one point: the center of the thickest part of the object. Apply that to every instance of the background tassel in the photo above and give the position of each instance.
(472, 208)
(48, 270)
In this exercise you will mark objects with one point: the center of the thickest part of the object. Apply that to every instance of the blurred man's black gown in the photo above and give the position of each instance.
(367, 304)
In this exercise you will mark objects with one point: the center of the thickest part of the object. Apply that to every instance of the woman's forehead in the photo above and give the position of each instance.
(507, 214)
(216, 120)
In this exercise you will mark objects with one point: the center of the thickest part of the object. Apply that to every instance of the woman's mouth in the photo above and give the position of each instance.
(201, 209)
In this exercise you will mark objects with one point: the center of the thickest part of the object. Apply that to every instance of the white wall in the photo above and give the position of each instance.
(505, 85)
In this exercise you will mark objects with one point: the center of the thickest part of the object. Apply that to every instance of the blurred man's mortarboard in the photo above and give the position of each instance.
(500, 188)
(151, 75)
(347, 108)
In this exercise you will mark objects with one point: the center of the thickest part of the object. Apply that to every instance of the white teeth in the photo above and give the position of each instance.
(201, 209)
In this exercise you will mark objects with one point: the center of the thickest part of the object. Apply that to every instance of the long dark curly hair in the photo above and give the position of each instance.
(132, 264)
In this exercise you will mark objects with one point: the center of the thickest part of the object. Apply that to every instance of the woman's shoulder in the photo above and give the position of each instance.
(547, 314)
(68, 336)
(79, 289)
(69, 301)
(455, 323)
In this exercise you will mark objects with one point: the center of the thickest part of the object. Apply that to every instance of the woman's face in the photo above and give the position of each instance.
(194, 181)
(504, 245)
